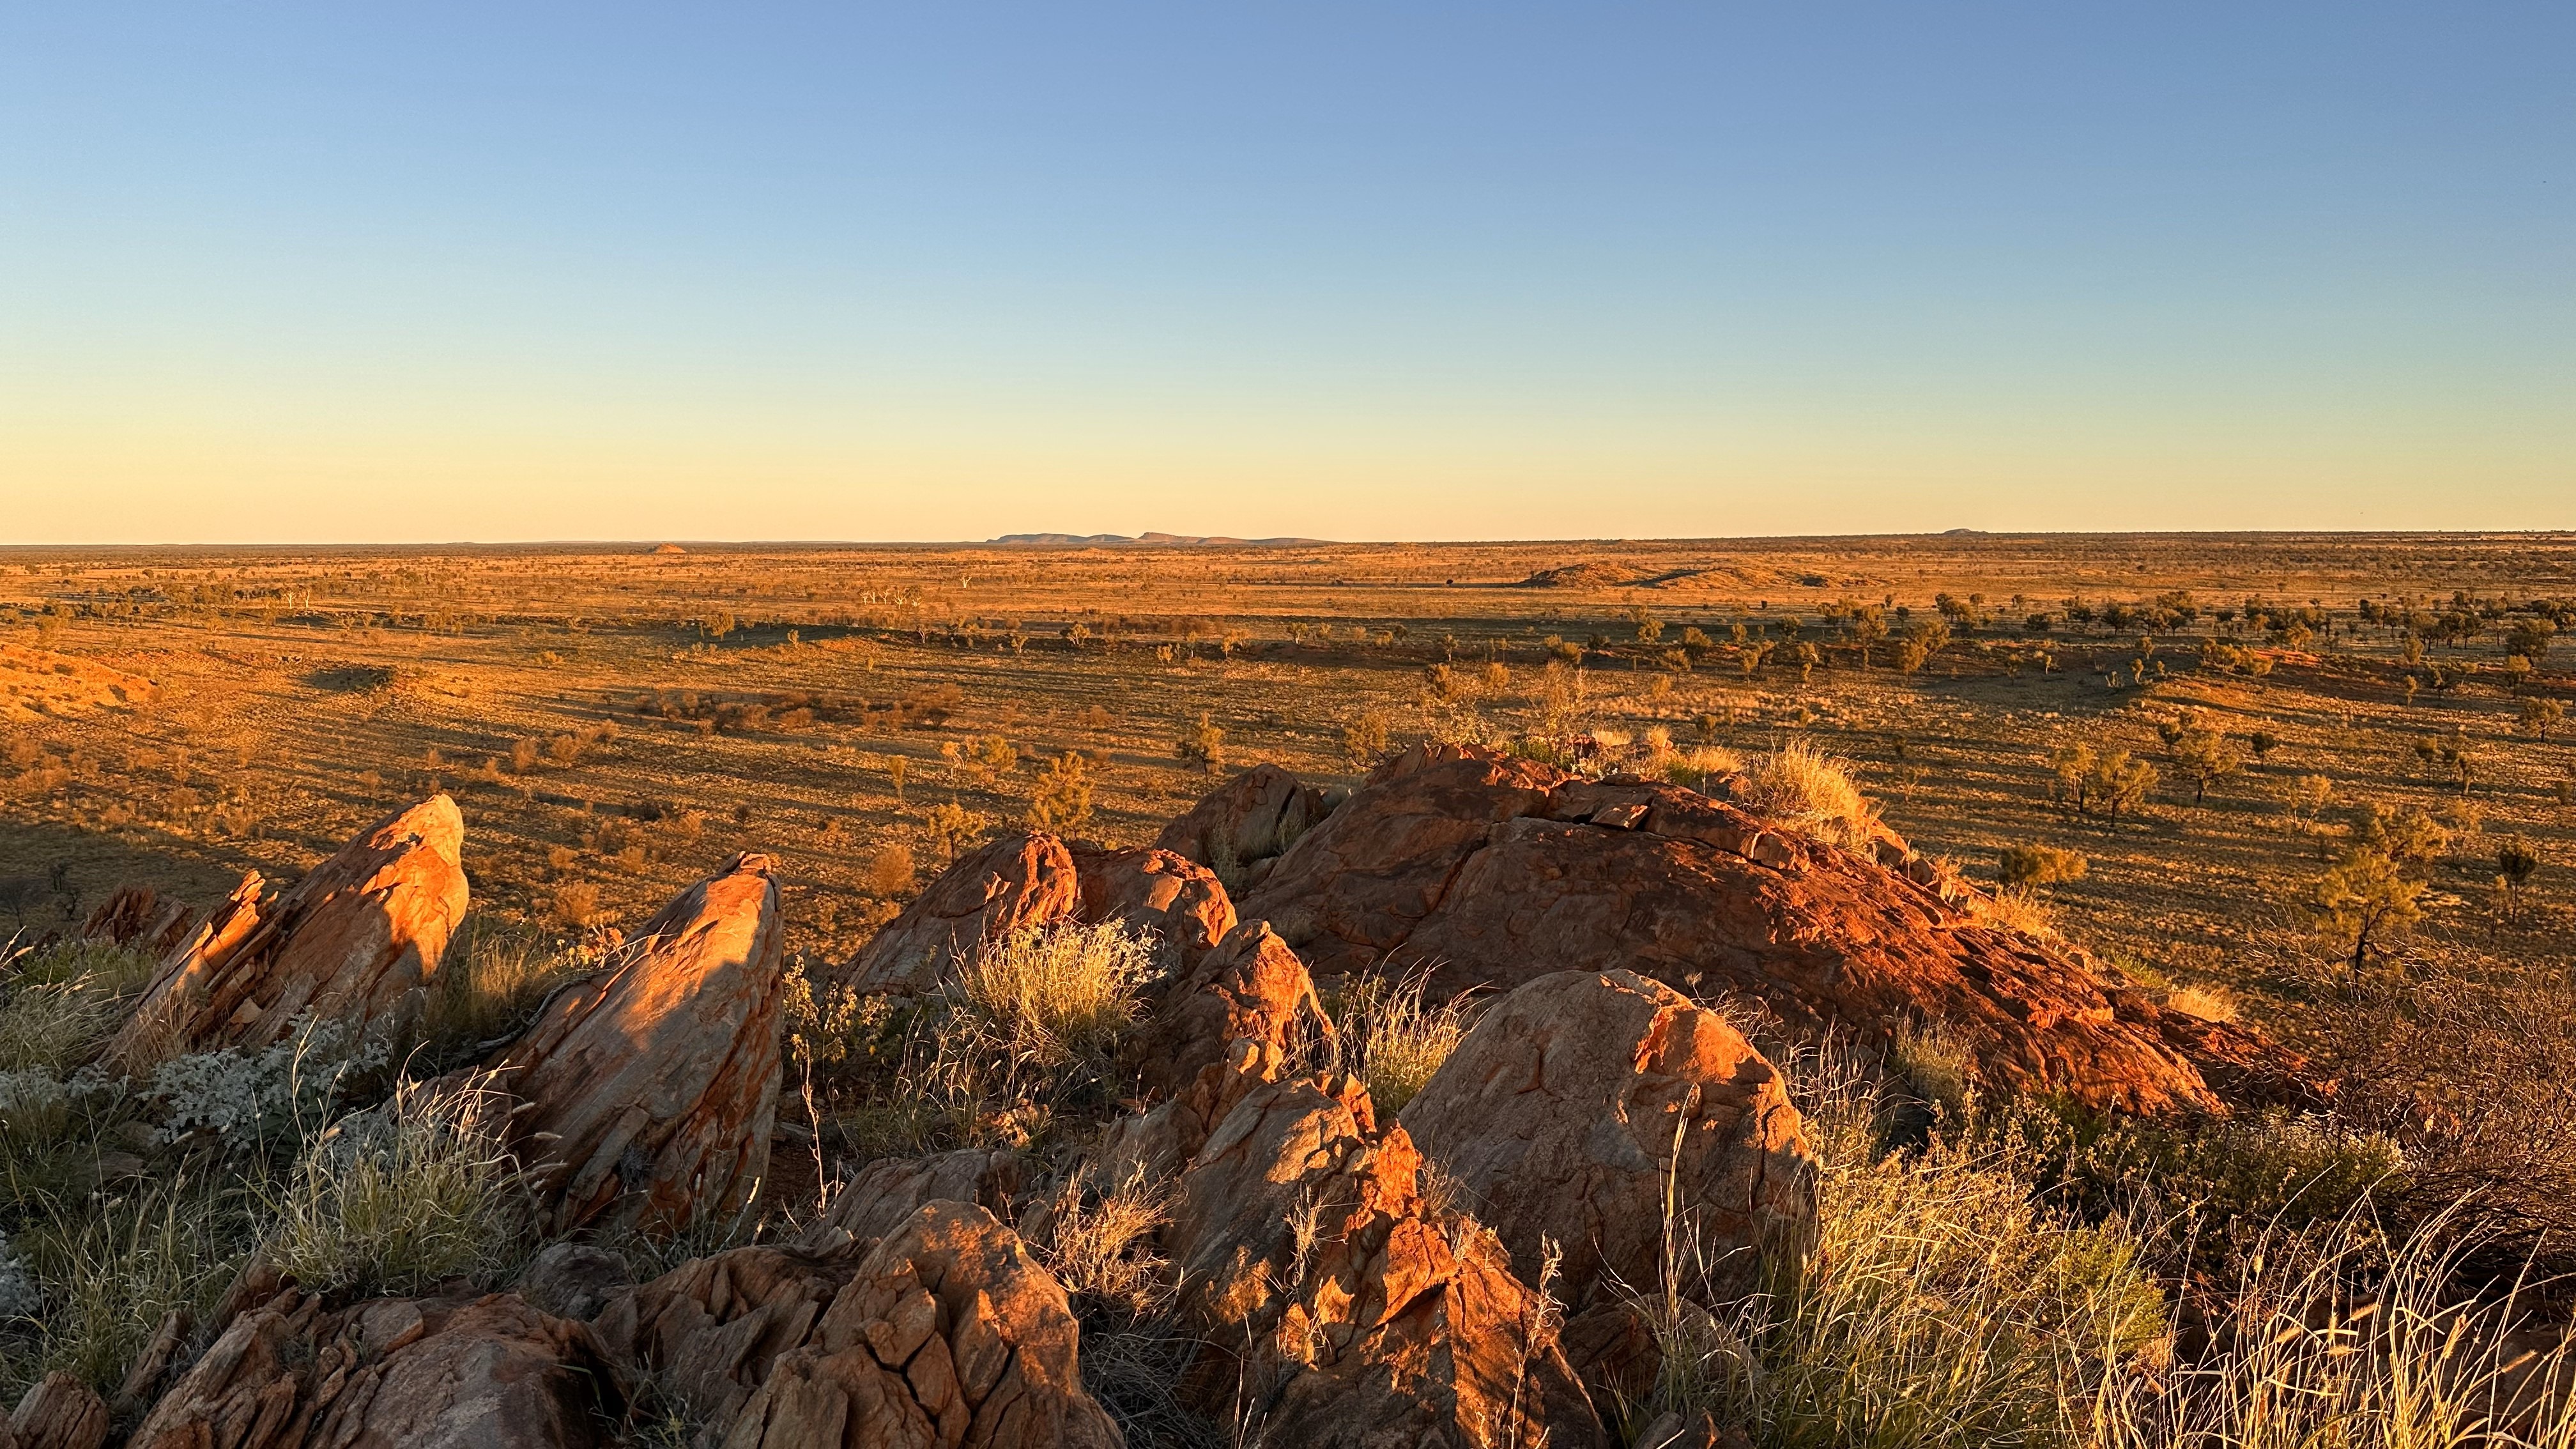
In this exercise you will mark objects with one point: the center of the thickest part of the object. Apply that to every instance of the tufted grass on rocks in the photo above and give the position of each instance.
(1803, 786)
(1055, 996)
(400, 1198)
(1397, 1038)
(111, 1269)
(491, 988)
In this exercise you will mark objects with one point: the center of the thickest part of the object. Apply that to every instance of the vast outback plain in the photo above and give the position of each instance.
(2125, 778)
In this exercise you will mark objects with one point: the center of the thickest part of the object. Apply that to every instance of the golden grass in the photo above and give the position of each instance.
(1802, 786)
(1397, 1038)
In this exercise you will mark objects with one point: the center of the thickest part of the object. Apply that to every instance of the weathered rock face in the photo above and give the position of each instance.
(1250, 986)
(709, 1330)
(141, 918)
(492, 1373)
(888, 1190)
(358, 938)
(1360, 1319)
(1181, 903)
(1016, 881)
(1497, 871)
(651, 1086)
(1251, 818)
(60, 1412)
(945, 1332)
(1559, 1116)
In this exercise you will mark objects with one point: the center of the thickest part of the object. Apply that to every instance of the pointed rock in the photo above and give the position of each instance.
(358, 939)
(650, 1088)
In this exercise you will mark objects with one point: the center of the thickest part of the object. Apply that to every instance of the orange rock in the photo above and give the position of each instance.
(1352, 1316)
(945, 1332)
(359, 938)
(492, 1373)
(139, 917)
(1253, 817)
(1496, 871)
(651, 1086)
(1559, 1116)
(60, 1412)
(1180, 903)
(1251, 986)
(1018, 880)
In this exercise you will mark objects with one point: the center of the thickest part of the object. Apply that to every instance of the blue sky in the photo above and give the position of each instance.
(1395, 271)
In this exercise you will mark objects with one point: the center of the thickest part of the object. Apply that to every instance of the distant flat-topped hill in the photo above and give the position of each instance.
(1165, 540)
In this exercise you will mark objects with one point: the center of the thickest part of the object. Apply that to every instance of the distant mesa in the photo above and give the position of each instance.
(1148, 540)
(1596, 574)
(670, 548)
(1587, 575)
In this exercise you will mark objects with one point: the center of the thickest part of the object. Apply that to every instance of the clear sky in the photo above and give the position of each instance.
(450, 271)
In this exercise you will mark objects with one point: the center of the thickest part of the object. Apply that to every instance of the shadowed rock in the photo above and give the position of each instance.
(1560, 1115)
(1251, 985)
(944, 1332)
(650, 1088)
(1018, 880)
(492, 1373)
(1355, 1317)
(1249, 819)
(358, 939)
(1496, 871)
(141, 919)
(888, 1190)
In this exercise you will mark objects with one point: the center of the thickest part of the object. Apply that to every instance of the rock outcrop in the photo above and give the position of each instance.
(1248, 820)
(1495, 871)
(945, 1332)
(1353, 1316)
(358, 939)
(1560, 1115)
(1016, 881)
(492, 1373)
(60, 1412)
(649, 1089)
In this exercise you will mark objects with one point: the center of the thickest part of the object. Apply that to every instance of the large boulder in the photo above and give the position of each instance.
(945, 1332)
(1180, 904)
(492, 1373)
(649, 1089)
(1560, 1115)
(1353, 1316)
(1251, 818)
(1012, 882)
(358, 939)
(1491, 872)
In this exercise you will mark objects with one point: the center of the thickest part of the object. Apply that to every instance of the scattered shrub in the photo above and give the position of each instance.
(2039, 865)
(1398, 1039)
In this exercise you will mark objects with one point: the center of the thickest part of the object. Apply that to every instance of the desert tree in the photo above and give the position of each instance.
(2365, 900)
(1365, 740)
(2204, 755)
(1201, 746)
(2516, 863)
(1062, 799)
(2117, 784)
(2540, 716)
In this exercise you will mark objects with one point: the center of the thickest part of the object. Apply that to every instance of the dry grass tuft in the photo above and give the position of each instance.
(1396, 1039)
(400, 1198)
(1055, 996)
(1801, 786)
